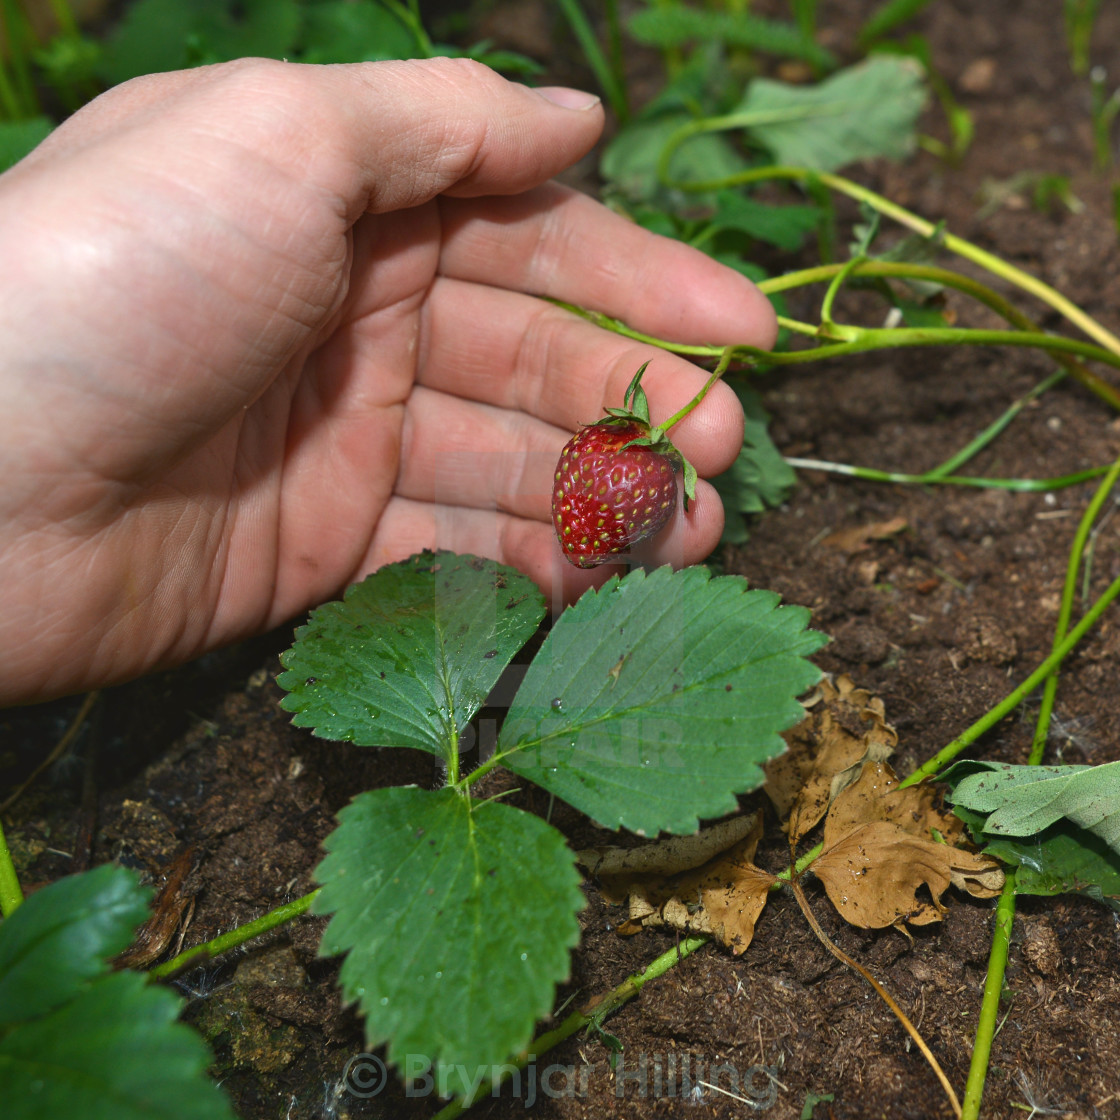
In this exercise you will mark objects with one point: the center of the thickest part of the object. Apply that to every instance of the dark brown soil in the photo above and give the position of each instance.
(941, 620)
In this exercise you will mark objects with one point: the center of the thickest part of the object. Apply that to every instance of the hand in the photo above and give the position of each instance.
(267, 327)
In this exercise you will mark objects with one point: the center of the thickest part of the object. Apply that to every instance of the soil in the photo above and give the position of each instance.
(198, 770)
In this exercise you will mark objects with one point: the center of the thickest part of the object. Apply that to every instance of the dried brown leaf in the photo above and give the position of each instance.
(845, 727)
(859, 537)
(616, 868)
(722, 895)
(880, 850)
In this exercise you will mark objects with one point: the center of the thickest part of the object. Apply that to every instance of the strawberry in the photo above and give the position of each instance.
(616, 483)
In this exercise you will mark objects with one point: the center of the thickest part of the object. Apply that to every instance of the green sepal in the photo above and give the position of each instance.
(637, 409)
(635, 396)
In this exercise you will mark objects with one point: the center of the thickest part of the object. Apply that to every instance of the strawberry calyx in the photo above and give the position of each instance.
(635, 410)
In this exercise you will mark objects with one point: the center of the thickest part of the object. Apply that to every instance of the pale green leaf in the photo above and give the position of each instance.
(457, 919)
(410, 653)
(1024, 800)
(630, 161)
(865, 111)
(1061, 859)
(656, 699)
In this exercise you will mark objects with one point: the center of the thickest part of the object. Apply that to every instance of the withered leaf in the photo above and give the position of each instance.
(859, 537)
(879, 850)
(721, 893)
(845, 726)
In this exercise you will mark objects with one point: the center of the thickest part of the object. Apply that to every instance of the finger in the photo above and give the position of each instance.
(459, 453)
(512, 351)
(556, 242)
(378, 135)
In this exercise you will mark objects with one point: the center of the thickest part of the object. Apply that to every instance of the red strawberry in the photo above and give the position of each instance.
(616, 483)
(609, 495)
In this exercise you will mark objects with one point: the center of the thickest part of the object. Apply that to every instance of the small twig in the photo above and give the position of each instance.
(883, 994)
(60, 748)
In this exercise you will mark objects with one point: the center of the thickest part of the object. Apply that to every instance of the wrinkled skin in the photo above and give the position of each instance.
(266, 327)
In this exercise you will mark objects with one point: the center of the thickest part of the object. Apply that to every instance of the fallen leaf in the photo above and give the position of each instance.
(880, 850)
(721, 892)
(859, 537)
(845, 727)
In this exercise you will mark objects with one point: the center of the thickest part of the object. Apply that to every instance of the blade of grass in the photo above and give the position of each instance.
(933, 478)
(610, 78)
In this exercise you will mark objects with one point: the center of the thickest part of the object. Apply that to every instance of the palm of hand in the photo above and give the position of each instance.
(254, 393)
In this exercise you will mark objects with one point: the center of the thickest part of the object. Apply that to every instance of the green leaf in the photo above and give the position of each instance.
(887, 17)
(115, 1052)
(409, 655)
(159, 35)
(760, 478)
(1062, 859)
(865, 111)
(675, 26)
(354, 31)
(60, 937)
(1025, 800)
(457, 919)
(630, 162)
(783, 226)
(17, 138)
(78, 1040)
(656, 699)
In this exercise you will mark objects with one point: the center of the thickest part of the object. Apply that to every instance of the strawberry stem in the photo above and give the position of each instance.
(717, 373)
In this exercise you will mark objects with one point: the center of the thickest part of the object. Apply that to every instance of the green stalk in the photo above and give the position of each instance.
(716, 374)
(988, 261)
(946, 755)
(994, 429)
(11, 894)
(578, 1020)
(1005, 909)
(934, 478)
(1065, 611)
(948, 279)
(197, 954)
(989, 1005)
(854, 340)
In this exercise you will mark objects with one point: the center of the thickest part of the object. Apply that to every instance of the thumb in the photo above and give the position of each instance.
(422, 128)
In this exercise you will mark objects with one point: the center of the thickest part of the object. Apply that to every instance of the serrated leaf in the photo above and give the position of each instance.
(655, 700)
(674, 26)
(1024, 800)
(114, 1052)
(783, 226)
(865, 111)
(410, 653)
(457, 920)
(60, 937)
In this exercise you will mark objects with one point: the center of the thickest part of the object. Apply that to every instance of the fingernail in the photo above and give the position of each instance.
(568, 98)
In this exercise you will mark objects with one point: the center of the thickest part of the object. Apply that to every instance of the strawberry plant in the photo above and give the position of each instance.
(651, 703)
